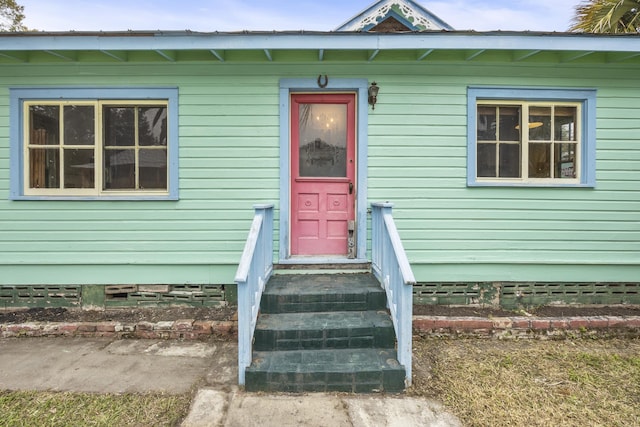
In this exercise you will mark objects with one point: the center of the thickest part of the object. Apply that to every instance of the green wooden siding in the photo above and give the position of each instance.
(229, 136)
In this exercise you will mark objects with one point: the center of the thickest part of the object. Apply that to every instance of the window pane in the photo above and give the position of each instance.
(486, 123)
(539, 160)
(509, 161)
(119, 169)
(79, 169)
(565, 119)
(79, 126)
(540, 123)
(153, 169)
(565, 155)
(45, 124)
(509, 124)
(152, 126)
(323, 140)
(486, 166)
(119, 126)
(44, 168)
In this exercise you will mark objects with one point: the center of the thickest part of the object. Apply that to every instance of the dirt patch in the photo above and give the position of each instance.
(132, 315)
(123, 315)
(547, 311)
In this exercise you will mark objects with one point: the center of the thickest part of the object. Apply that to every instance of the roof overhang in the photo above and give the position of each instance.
(144, 46)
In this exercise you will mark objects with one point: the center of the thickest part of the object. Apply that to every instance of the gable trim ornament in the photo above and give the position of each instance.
(414, 16)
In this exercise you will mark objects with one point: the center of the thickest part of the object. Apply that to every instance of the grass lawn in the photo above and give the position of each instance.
(484, 382)
(43, 409)
(531, 382)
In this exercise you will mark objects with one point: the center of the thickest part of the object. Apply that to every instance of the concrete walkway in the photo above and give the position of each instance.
(106, 365)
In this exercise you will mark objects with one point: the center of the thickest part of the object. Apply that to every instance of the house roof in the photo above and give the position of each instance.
(186, 46)
(408, 13)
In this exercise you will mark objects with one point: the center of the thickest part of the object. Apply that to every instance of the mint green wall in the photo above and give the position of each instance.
(417, 159)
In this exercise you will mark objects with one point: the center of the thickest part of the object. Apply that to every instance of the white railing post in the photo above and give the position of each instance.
(254, 270)
(391, 266)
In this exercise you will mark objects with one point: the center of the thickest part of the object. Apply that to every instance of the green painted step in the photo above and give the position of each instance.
(338, 329)
(303, 293)
(336, 370)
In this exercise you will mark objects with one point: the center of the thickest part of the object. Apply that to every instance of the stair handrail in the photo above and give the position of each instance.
(391, 267)
(254, 270)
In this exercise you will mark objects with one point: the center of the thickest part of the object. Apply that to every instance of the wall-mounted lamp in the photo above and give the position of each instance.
(373, 94)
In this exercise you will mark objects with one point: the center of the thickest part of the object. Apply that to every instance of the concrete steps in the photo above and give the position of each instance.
(324, 332)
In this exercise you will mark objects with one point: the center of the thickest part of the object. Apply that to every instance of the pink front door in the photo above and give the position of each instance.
(323, 174)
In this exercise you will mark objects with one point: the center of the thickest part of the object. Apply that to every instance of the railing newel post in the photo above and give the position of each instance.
(390, 263)
(254, 270)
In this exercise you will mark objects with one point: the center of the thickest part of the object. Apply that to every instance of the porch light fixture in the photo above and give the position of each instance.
(373, 94)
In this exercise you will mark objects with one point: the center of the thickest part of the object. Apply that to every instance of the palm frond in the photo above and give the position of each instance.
(607, 16)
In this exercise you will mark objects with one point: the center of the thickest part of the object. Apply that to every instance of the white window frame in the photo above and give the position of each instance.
(22, 98)
(524, 142)
(583, 99)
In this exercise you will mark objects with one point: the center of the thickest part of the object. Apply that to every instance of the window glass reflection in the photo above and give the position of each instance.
(323, 140)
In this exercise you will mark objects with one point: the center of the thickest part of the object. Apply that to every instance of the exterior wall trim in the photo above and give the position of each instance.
(16, 137)
(360, 86)
(586, 96)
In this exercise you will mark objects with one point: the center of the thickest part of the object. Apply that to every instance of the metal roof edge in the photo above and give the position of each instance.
(256, 40)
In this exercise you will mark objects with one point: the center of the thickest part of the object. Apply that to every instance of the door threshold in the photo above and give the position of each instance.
(322, 260)
(308, 263)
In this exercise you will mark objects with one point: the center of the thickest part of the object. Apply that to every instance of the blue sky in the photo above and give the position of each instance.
(317, 15)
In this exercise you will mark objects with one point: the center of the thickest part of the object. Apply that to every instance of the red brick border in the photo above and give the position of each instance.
(180, 329)
(526, 327)
(437, 326)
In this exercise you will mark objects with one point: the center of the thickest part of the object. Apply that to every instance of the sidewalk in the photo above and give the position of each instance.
(108, 365)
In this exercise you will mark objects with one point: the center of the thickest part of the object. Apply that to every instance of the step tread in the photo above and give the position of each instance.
(334, 360)
(324, 320)
(351, 371)
(310, 284)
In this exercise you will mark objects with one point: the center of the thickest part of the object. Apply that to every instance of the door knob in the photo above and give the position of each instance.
(351, 188)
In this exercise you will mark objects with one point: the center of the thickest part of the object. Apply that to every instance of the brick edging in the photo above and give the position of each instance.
(179, 329)
(437, 326)
(526, 327)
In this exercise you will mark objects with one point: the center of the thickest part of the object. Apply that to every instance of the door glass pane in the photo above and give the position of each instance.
(323, 140)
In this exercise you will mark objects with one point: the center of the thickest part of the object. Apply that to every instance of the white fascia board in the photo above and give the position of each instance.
(326, 41)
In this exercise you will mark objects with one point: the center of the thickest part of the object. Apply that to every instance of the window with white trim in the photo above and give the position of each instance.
(82, 147)
(95, 147)
(527, 141)
(538, 141)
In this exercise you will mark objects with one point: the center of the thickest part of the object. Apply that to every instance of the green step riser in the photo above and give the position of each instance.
(330, 302)
(315, 340)
(391, 381)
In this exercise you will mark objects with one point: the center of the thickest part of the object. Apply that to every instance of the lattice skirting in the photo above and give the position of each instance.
(39, 296)
(525, 294)
(507, 295)
(159, 295)
(42, 296)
